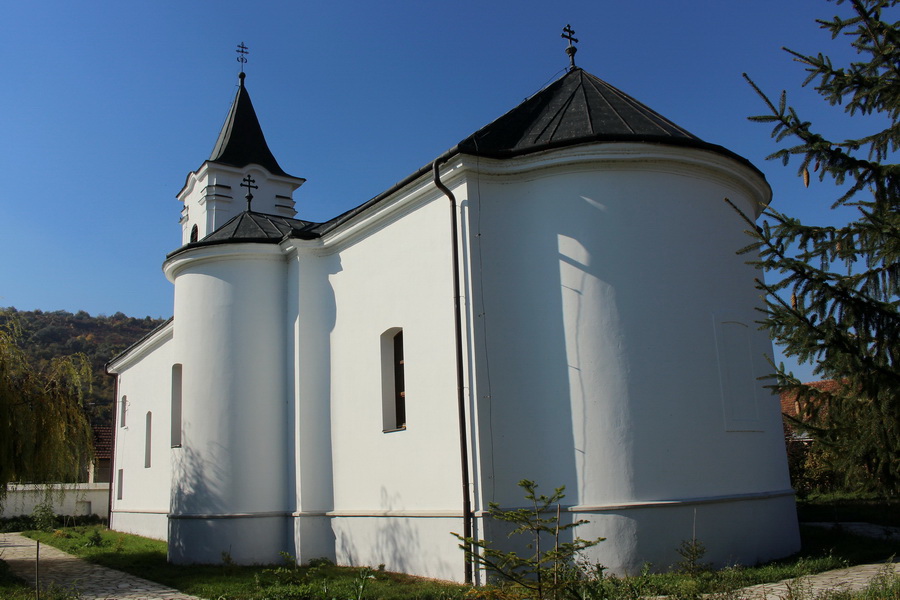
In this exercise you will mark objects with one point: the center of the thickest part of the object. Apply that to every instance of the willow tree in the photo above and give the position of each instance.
(44, 434)
(834, 298)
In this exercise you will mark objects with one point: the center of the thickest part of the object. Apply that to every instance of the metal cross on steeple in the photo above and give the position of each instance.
(569, 34)
(248, 183)
(242, 51)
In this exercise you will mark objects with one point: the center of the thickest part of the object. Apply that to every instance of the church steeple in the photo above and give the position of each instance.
(211, 194)
(241, 141)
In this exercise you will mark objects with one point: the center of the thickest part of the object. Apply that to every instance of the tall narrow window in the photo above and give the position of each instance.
(399, 387)
(393, 380)
(120, 476)
(176, 406)
(122, 404)
(195, 234)
(148, 444)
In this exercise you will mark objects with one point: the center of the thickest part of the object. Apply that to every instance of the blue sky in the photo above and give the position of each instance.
(107, 106)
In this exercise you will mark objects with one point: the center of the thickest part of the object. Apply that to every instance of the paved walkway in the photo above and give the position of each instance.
(101, 583)
(851, 579)
(63, 570)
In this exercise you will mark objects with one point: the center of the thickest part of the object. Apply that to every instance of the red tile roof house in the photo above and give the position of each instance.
(807, 472)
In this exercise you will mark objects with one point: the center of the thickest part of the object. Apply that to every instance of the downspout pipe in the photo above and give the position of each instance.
(460, 392)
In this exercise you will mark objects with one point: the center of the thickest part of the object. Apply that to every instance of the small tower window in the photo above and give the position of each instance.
(195, 234)
(393, 380)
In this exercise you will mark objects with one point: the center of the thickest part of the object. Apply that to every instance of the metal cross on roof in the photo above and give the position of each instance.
(248, 183)
(569, 34)
(242, 51)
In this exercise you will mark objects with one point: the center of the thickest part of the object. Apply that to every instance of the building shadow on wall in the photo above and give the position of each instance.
(193, 495)
(393, 541)
(526, 419)
(311, 479)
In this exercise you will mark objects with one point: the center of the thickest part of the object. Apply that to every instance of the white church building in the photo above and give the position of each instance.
(555, 298)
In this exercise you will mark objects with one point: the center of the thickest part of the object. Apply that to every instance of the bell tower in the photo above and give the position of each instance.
(214, 193)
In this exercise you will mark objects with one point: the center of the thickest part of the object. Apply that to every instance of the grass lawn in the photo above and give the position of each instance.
(147, 558)
(823, 550)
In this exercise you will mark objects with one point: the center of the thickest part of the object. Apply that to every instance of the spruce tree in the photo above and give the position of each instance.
(834, 296)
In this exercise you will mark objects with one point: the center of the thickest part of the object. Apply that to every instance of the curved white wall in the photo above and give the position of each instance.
(229, 487)
(602, 287)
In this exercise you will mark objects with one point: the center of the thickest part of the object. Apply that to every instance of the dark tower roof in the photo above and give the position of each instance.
(255, 227)
(241, 140)
(578, 108)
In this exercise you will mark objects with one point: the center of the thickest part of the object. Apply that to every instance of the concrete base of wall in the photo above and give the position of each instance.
(419, 545)
(744, 530)
(242, 539)
(153, 525)
(733, 532)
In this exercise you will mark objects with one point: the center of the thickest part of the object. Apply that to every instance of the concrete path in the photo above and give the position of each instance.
(63, 570)
(851, 579)
(101, 583)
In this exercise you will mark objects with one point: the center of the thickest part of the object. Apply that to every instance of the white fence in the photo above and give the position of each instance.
(69, 499)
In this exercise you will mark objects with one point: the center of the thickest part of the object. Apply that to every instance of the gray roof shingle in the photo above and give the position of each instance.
(577, 108)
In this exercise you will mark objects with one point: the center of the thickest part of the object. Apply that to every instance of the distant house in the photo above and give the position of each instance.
(103, 447)
(557, 297)
(791, 409)
(88, 496)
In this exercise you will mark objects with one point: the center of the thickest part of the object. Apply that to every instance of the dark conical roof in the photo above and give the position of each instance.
(257, 227)
(577, 108)
(241, 140)
(250, 226)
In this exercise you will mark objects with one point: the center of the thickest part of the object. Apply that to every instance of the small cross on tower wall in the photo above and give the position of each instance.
(248, 183)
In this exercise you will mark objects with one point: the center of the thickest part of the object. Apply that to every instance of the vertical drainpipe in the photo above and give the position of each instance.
(460, 394)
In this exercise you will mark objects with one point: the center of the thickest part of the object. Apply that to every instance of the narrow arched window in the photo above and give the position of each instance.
(195, 233)
(176, 406)
(148, 436)
(393, 380)
(399, 384)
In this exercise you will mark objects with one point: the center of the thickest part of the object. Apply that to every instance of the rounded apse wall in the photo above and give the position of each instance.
(229, 339)
(619, 323)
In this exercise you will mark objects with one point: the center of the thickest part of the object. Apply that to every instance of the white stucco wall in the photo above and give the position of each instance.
(213, 194)
(600, 276)
(391, 272)
(144, 379)
(230, 480)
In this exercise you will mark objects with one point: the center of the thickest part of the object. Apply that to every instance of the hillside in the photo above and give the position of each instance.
(46, 335)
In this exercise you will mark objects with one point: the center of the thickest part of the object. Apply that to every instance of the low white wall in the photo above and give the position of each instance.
(69, 499)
